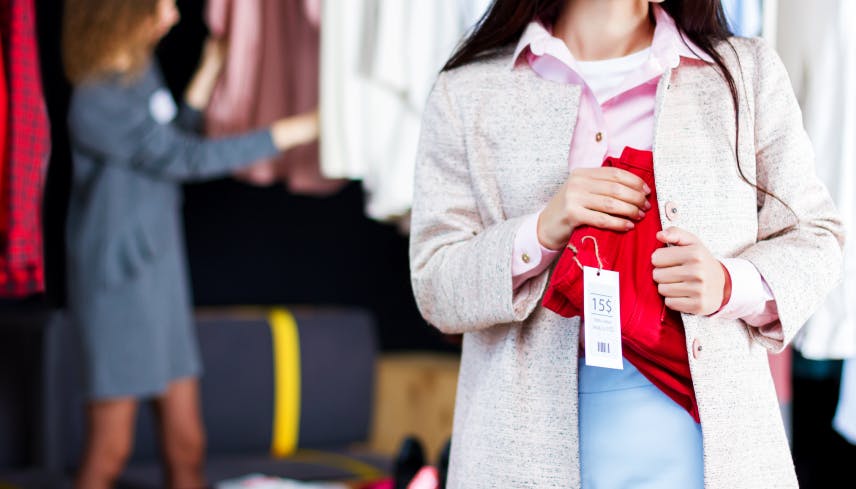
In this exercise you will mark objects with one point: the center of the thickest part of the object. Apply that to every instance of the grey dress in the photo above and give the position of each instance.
(128, 289)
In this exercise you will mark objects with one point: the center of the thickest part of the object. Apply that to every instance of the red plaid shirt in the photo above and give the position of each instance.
(4, 131)
(28, 149)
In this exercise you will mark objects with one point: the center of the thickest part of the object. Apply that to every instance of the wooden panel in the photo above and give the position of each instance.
(414, 395)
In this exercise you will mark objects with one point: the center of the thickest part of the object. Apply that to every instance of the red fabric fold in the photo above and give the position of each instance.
(653, 336)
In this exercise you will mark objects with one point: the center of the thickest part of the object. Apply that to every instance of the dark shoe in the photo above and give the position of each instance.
(443, 463)
(410, 458)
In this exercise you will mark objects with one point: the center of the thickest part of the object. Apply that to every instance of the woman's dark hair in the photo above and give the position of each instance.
(702, 22)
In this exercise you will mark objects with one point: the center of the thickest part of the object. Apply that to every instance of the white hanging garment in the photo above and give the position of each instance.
(379, 60)
(341, 104)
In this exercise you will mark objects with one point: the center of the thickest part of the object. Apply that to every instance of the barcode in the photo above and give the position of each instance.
(602, 347)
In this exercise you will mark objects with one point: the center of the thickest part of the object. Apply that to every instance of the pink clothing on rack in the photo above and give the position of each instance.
(312, 9)
(271, 72)
(612, 118)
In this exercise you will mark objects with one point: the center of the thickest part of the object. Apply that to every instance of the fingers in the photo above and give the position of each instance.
(612, 206)
(617, 175)
(677, 236)
(677, 290)
(604, 221)
(680, 291)
(611, 174)
(682, 304)
(619, 191)
(675, 274)
(674, 256)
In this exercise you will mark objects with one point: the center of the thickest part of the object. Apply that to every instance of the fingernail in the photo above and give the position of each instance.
(646, 188)
(641, 215)
(629, 225)
(647, 206)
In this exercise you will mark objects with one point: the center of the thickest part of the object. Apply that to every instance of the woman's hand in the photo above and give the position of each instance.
(214, 55)
(603, 197)
(688, 276)
(295, 130)
(205, 79)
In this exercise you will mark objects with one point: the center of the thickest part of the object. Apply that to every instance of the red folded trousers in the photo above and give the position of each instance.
(653, 337)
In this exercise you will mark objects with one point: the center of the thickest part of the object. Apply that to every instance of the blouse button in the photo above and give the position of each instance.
(598, 137)
(525, 258)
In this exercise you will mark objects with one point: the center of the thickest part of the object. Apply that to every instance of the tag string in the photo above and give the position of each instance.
(596, 253)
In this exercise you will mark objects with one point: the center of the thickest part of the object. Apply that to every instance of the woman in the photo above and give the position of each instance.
(516, 130)
(129, 295)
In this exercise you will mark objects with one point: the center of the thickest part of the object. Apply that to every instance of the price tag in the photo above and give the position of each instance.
(601, 318)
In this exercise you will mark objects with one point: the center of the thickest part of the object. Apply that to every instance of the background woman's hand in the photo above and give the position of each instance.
(214, 54)
(603, 197)
(295, 130)
(688, 276)
(202, 84)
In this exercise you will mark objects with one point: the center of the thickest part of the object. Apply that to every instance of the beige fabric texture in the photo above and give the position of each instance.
(494, 148)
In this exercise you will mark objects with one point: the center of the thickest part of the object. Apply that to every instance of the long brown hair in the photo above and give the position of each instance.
(94, 32)
(702, 22)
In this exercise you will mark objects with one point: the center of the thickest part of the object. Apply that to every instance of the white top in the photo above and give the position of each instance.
(603, 76)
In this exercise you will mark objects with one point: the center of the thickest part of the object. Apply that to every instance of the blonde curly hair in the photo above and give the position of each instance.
(95, 32)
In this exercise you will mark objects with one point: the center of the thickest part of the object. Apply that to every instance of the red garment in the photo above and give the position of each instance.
(652, 336)
(4, 129)
(28, 144)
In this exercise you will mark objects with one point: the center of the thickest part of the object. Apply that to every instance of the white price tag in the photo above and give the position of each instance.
(601, 318)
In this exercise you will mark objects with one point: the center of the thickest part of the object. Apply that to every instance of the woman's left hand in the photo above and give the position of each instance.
(214, 54)
(688, 276)
(202, 84)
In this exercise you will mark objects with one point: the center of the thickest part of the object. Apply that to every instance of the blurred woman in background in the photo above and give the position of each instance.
(129, 295)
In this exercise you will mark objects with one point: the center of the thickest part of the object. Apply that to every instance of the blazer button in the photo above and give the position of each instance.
(671, 211)
(696, 348)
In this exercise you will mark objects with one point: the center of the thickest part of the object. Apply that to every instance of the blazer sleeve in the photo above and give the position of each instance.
(799, 252)
(460, 268)
(121, 130)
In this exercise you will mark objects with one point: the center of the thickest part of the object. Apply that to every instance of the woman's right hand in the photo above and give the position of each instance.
(296, 130)
(603, 197)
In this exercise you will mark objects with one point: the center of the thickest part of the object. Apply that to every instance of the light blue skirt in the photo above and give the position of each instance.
(634, 436)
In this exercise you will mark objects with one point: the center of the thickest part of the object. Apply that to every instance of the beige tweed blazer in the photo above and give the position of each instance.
(494, 148)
